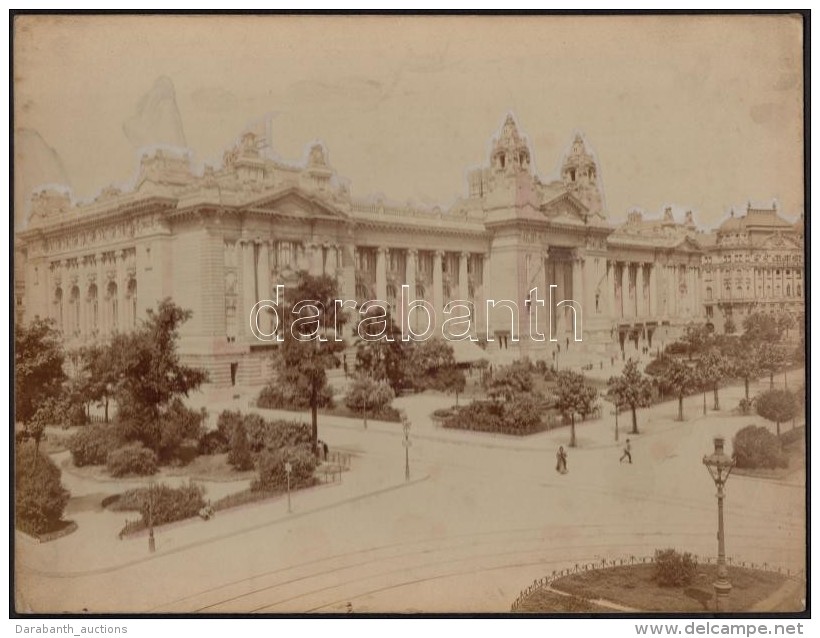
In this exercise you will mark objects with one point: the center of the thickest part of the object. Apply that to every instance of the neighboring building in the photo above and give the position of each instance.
(218, 242)
(754, 263)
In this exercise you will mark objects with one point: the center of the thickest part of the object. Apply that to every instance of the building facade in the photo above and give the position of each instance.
(220, 241)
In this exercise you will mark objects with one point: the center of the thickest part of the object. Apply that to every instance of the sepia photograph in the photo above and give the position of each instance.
(423, 315)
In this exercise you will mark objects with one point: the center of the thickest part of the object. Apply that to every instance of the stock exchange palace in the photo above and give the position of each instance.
(219, 241)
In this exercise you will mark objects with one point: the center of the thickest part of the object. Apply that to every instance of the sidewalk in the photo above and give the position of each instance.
(95, 548)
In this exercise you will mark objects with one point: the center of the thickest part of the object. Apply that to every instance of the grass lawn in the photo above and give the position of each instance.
(633, 586)
(795, 453)
(542, 601)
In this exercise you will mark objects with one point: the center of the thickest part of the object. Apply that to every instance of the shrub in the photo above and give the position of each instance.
(212, 443)
(367, 393)
(91, 445)
(674, 569)
(177, 425)
(225, 424)
(272, 473)
(522, 415)
(75, 415)
(789, 437)
(133, 459)
(39, 497)
(171, 504)
(240, 454)
(756, 447)
(292, 396)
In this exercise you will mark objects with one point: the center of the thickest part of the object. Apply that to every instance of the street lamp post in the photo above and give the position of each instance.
(406, 443)
(720, 466)
(288, 470)
(615, 412)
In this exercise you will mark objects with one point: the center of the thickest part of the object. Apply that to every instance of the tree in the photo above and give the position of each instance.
(435, 367)
(744, 363)
(574, 395)
(785, 322)
(729, 326)
(387, 357)
(631, 389)
(366, 394)
(39, 497)
(38, 367)
(711, 368)
(309, 345)
(680, 379)
(777, 406)
(695, 338)
(508, 381)
(101, 371)
(770, 358)
(761, 327)
(239, 455)
(152, 377)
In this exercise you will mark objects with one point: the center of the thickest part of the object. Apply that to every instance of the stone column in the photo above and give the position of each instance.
(381, 273)
(463, 280)
(640, 310)
(653, 291)
(411, 257)
(609, 289)
(438, 293)
(332, 267)
(248, 285)
(590, 278)
(624, 289)
(486, 286)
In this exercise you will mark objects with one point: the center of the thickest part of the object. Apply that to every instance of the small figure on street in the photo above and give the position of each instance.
(561, 461)
(627, 452)
(345, 365)
(325, 450)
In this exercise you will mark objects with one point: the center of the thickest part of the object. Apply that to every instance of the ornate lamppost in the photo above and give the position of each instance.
(720, 466)
(406, 442)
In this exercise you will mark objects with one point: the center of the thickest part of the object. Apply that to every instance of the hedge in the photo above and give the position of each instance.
(92, 444)
(132, 460)
(756, 447)
(272, 475)
(39, 497)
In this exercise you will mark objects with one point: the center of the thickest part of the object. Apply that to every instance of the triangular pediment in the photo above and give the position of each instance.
(778, 241)
(565, 207)
(688, 245)
(296, 203)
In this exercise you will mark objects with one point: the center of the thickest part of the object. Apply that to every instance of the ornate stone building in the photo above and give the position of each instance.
(219, 241)
(754, 263)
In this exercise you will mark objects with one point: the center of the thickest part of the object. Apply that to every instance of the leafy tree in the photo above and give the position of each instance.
(574, 395)
(434, 364)
(38, 367)
(240, 454)
(303, 357)
(368, 395)
(680, 379)
(101, 370)
(771, 358)
(510, 380)
(761, 327)
(39, 497)
(387, 358)
(729, 326)
(744, 362)
(631, 389)
(777, 406)
(152, 380)
(695, 338)
(785, 322)
(710, 370)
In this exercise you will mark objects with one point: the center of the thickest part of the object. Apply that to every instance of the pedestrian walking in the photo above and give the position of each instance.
(627, 452)
(345, 365)
(561, 461)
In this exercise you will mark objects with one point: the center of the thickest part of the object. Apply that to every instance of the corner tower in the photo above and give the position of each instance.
(581, 176)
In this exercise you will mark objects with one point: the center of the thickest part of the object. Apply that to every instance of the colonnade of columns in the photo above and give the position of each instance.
(94, 295)
(641, 290)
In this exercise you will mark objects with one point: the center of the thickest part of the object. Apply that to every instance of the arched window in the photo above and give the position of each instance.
(113, 305)
(788, 290)
(131, 293)
(708, 294)
(93, 308)
(58, 307)
(74, 302)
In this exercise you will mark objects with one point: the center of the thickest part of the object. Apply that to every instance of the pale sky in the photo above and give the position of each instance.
(701, 113)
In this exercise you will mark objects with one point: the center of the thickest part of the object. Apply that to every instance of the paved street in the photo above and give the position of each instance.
(482, 517)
